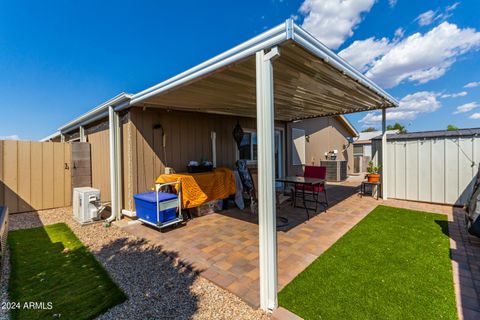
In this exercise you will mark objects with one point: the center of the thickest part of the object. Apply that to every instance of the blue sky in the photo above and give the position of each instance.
(58, 59)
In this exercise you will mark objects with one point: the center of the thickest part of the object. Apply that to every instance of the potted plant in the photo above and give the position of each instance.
(373, 172)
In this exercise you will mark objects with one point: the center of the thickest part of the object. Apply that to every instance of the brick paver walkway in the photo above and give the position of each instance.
(224, 246)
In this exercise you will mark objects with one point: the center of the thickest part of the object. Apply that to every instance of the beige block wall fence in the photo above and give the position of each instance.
(34, 175)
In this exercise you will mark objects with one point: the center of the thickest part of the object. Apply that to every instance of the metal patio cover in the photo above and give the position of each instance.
(309, 81)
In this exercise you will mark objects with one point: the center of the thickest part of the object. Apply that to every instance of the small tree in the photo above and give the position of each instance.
(369, 129)
(397, 126)
(452, 127)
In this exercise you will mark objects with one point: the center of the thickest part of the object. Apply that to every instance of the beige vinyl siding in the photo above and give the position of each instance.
(187, 137)
(98, 137)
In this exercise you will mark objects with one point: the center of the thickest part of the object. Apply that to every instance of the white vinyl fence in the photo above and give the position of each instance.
(431, 169)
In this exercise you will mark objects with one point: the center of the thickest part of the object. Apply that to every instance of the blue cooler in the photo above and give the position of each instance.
(146, 206)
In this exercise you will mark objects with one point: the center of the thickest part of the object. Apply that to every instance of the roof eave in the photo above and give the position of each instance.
(349, 125)
(96, 113)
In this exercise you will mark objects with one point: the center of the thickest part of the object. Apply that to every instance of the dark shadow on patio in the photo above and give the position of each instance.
(297, 216)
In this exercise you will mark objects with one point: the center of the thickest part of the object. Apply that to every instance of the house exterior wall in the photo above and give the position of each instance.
(187, 137)
(324, 134)
(362, 159)
(98, 137)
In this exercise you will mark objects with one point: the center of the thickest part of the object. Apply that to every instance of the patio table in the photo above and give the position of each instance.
(306, 181)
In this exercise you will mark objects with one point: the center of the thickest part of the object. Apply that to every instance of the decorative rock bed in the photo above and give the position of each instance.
(158, 284)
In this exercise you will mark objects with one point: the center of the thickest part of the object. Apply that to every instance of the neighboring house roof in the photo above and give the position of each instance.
(366, 137)
(280, 34)
(348, 125)
(434, 134)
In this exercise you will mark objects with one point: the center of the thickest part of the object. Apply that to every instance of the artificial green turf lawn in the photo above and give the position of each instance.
(74, 282)
(394, 264)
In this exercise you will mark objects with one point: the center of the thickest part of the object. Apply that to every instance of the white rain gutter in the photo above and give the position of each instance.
(115, 164)
(97, 113)
(275, 36)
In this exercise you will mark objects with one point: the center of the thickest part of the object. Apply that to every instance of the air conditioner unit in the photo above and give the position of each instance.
(86, 204)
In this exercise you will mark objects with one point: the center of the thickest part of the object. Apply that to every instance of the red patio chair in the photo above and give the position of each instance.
(319, 172)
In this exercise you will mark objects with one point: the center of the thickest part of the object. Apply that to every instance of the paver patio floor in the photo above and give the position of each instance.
(223, 247)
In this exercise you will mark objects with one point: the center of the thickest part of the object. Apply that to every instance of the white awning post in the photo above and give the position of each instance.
(114, 148)
(266, 175)
(81, 132)
(384, 154)
(62, 137)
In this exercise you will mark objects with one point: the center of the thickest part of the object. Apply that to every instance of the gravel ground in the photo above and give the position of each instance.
(157, 284)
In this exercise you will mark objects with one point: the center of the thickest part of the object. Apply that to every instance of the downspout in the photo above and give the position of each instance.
(112, 130)
(81, 132)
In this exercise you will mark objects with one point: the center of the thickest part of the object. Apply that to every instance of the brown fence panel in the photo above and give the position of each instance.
(35, 175)
(36, 152)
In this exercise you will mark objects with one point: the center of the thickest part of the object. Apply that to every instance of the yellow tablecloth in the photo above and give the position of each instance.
(200, 188)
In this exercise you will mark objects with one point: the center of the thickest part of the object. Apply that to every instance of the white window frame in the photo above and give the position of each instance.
(249, 161)
(254, 162)
(358, 154)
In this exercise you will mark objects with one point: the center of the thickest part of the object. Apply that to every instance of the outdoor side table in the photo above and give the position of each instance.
(374, 186)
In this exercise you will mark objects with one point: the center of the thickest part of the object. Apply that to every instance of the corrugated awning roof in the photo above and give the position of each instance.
(309, 81)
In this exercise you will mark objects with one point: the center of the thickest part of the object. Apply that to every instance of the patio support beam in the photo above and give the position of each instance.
(81, 132)
(384, 154)
(266, 176)
(115, 165)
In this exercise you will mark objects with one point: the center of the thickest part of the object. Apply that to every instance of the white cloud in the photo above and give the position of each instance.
(333, 21)
(418, 58)
(399, 33)
(11, 137)
(475, 116)
(426, 18)
(423, 101)
(466, 107)
(362, 54)
(409, 107)
(372, 117)
(472, 84)
(392, 3)
(454, 95)
(430, 16)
